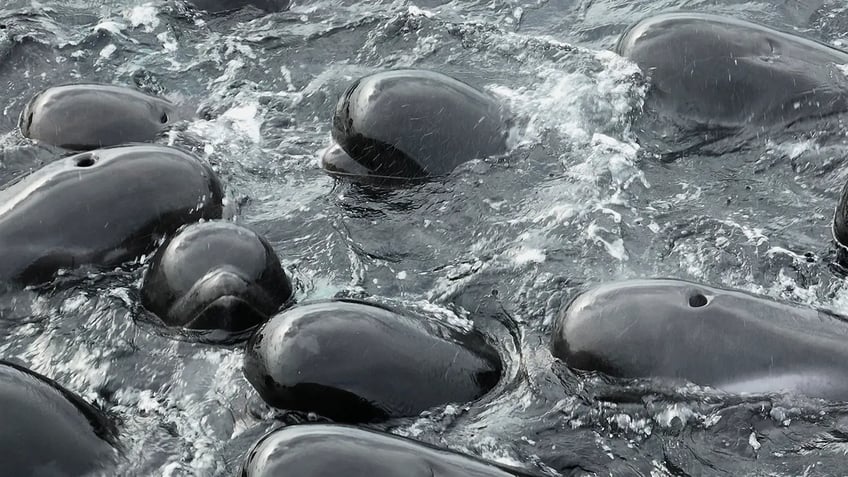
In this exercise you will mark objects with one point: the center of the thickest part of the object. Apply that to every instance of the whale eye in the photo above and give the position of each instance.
(164, 118)
(85, 161)
(697, 300)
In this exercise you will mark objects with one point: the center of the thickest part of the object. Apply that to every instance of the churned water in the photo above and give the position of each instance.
(501, 244)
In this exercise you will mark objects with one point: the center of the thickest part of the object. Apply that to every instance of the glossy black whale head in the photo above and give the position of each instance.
(91, 116)
(357, 362)
(49, 430)
(318, 450)
(727, 339)
(101, 208)
(720, 72)
(415, 124)
(215, 275)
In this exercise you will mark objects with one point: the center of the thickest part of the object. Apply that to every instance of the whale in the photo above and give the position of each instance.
(215, 275)
(91, 116)
(49, 430)
(416, 124)
(357, 362)
(101, 208)
(317, 450)
(713, 72)
(726, 339)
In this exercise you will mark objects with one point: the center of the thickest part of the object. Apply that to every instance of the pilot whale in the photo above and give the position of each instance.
(91, 116)
(318, 450)
(726, 339)
(101, 208)
(49, 430)
(709, 71)
(357, 362)
(414, 124)
(215, 275)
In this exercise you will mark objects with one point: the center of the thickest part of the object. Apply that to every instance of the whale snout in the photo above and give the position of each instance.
(223, 299)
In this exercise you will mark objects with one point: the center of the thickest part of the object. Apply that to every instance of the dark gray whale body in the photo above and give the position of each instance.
(48, 430)
(726, 339)
(101, 208)
(356, 362)
(319, 450)
(90, 116)
(415, 124)
(718, 72)
(215, 275)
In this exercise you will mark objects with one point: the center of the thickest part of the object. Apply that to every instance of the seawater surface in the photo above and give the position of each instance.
(501, 244)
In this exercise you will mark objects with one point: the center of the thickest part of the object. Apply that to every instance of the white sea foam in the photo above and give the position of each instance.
(143, 16)
(110, 26)
(108, 51)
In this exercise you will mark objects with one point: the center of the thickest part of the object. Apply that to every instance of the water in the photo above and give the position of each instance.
(501, 244)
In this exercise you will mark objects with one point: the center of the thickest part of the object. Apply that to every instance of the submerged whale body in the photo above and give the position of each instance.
(101, 208)
(48, 430)
(219, 6)
(718, 72)
(215, 275)
(725, 339)
(318, 450)
(90, 116)
(356, 362)
(415, 124)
